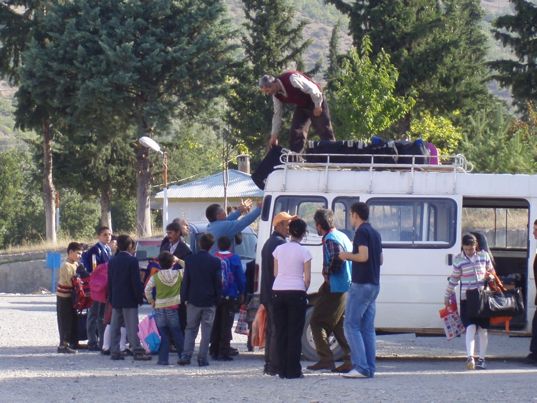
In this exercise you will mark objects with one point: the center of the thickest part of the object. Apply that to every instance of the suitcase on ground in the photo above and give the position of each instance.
(267, 166)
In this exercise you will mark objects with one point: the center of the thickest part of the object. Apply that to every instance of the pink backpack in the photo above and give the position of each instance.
(99, 283)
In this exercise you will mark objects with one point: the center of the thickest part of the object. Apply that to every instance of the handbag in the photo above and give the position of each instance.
(494, 300)
(451, 320)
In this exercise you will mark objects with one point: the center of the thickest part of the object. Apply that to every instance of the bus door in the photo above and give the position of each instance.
(504, 223)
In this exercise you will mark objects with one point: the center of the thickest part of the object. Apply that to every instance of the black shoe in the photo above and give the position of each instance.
(223, 358)
(126, 352)
(270, 371)
(203, 363)
(183, 361)
(116, 357)
(105, 352)
(233, 351)
(66, 350)
(93, 347)
(142, 356)
(163, 363)
(531, 358)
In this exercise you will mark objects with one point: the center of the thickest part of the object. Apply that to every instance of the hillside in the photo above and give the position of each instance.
(321, 19)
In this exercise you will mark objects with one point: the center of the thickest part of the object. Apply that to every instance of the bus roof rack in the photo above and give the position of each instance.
(376, 162)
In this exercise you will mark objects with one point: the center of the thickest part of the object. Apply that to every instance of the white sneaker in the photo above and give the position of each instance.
(470, 363)
(353, 373)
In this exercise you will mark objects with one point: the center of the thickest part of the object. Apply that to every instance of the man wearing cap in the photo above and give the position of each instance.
(294, 87)
(281, 232)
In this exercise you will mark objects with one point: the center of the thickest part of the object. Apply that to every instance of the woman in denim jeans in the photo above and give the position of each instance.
(167, 283)
(292, 268)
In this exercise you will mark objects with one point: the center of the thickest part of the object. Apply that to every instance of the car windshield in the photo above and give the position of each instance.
(147, 250)
(246, 249)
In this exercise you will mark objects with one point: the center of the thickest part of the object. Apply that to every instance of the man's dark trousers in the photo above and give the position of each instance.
(327, 318)
(302, 119)
(271, 352)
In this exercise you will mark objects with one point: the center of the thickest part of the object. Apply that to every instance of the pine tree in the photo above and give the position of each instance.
(437, 47)
(20, 23)
(519, 32)
(272, 43)
(117, 68)
(333, 49)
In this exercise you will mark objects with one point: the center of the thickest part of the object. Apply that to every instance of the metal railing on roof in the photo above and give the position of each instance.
(376, 162)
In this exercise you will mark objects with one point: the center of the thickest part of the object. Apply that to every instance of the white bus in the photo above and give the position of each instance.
(421, 212)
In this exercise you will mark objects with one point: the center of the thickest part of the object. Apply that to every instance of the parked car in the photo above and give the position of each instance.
(148, 250)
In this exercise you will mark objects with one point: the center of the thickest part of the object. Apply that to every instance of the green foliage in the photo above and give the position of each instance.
(495, 142)
(438, 130)
(437, 47)
(272, 43)
(79, 215)
(518, 32)
(123, 214)
(21, 215)
(363, 102)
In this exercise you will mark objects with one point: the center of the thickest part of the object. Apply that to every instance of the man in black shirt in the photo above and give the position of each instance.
(281, 231)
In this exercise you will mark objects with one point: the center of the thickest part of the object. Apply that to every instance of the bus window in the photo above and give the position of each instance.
(504, 227)
(342, 214)
(415, 222)
(304, 207)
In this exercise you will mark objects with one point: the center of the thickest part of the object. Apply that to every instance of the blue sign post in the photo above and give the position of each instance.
(53, 263)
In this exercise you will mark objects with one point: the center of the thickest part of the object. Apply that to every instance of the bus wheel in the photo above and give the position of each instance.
(308, 346)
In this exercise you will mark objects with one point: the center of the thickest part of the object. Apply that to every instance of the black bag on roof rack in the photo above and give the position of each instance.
(407, 149)
(267, 166)
(350, 151)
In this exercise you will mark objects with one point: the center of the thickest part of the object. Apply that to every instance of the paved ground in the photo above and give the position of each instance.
(409, 369)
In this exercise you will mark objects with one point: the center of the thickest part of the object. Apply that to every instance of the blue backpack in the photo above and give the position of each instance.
(228, 279)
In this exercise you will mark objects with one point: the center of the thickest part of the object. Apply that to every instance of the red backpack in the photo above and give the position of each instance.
(98, 283)
(81, 293)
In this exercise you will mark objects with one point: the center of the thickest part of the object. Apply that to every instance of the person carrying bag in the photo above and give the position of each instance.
(471, 268)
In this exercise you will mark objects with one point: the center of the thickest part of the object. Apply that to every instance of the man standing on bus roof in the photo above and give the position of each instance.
(327, 317)
(359, 322)
(532, 356)
(294, 87)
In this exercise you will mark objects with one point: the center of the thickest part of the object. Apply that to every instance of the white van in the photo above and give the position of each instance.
(421, 212)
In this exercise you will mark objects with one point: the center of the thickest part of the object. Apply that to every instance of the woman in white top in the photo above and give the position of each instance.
(292, 269)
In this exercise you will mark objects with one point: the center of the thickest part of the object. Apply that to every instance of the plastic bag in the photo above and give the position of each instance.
(242, 324)
(451, 320)
(258, 327)
(148, 334)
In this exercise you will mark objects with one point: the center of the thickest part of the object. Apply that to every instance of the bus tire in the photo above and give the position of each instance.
(309, 352)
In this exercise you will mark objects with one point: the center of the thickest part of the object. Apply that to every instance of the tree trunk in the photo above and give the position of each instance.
(106, 214)
(143, 180)
(49, 192)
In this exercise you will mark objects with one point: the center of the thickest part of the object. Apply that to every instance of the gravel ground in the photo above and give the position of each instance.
(409, 369)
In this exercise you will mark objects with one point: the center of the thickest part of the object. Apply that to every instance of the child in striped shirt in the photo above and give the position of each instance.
(471, 268)
(66, 314)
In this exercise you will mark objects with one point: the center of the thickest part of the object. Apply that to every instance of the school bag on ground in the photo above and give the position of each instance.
(148, 334)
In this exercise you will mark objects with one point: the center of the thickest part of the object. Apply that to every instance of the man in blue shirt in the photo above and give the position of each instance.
(359, 325)
(221, 224)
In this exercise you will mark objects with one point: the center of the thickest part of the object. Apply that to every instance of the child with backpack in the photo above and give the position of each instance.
(167, 283)
(233, 289)
(66, 313)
